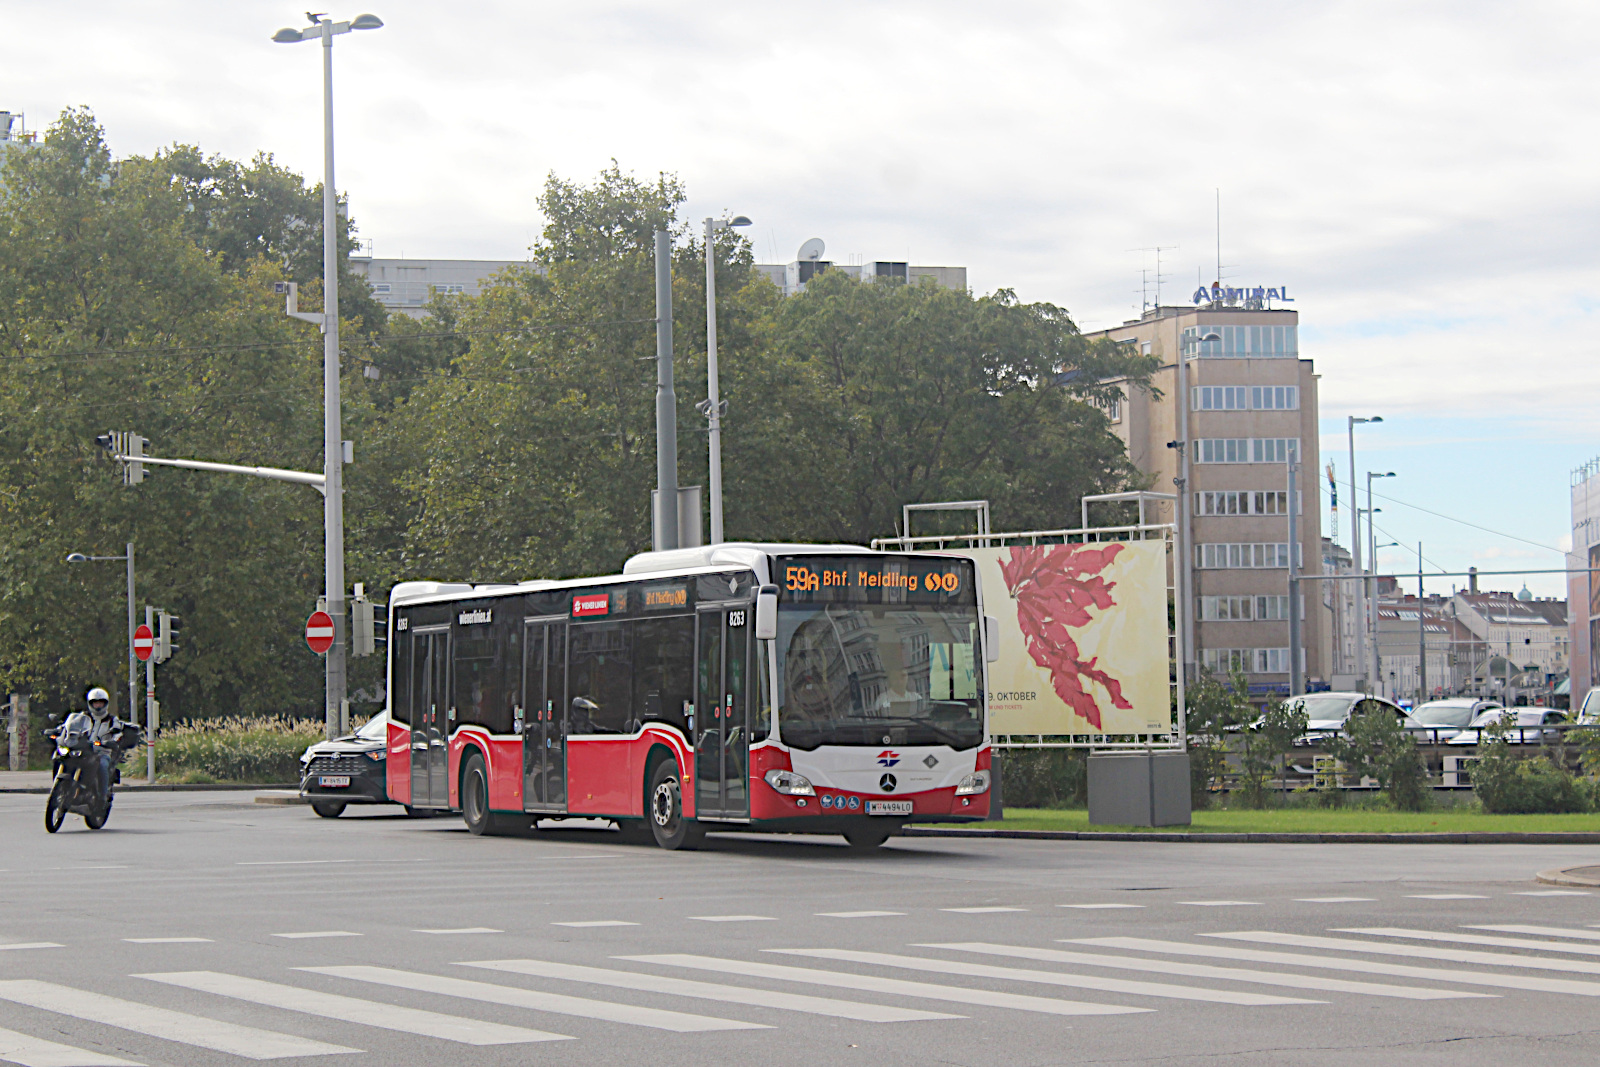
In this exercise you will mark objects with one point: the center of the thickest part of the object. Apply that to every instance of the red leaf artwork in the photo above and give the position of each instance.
(1055, 587)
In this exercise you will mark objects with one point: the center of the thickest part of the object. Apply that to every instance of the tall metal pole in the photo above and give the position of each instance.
(1422, 634)
(714, 414)
(1355, 545)
(1183, 549)
(666, 402)
(133, 661)
(1295, 683)
(332, 434)
(1370, 583)
(150, 724)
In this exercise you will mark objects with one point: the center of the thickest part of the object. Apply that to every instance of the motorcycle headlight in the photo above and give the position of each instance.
(976, 782)
(790, 784)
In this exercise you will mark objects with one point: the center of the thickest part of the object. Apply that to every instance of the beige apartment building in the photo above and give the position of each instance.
(1252, 407)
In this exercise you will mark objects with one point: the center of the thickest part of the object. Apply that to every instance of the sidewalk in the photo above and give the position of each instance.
(39, 782)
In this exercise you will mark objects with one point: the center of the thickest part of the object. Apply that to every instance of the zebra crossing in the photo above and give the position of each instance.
(932, 985)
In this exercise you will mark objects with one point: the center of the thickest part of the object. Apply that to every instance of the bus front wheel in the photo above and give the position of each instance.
(665, 803)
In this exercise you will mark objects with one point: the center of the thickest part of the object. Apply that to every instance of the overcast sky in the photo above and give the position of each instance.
(1420, 176)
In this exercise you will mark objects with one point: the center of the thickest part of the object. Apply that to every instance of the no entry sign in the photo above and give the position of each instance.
(144, 642)
(319, 632)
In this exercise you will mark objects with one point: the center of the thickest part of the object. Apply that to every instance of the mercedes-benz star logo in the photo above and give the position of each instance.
(887, 783)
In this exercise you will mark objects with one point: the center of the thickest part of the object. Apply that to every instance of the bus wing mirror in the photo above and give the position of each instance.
(767, 613)
(991, 638)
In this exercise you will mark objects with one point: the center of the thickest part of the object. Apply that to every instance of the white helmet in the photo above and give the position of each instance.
(104, 698)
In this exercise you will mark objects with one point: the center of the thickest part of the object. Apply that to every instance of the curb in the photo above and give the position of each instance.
(284, 798)
(1585, 877)
(140, 787)
(1555, 837)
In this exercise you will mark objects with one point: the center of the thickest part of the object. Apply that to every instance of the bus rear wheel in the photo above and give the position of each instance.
(665, 803)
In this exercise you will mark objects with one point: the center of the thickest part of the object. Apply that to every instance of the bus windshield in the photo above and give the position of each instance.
(878, 674)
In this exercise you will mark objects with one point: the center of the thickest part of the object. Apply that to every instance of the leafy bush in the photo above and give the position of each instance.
(234, 749)
(1510, 785)
(1210, 707)
(1377, 746)
(1263, 745)
(1045, 778)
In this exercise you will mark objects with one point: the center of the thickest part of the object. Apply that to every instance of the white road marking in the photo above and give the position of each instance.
(980, 911)
(1221, 903)
(557, 1003)
(177, 1026)
(1470, 939)
(168, 940)
(1553, 931)
(684, 987)
(874, 984)
(858, 914)
(1018, 974)
(1333, 900)
(37, 1052)
(462, 930)
(285, 863)
(1204, 970)
(1454, 955)
(1551, 893)
(29, 944)
(1097, 907)
(318, 933)
(1344, 963)
(596, 922)
(1446, 896)
(733, 918)
(351, 1009)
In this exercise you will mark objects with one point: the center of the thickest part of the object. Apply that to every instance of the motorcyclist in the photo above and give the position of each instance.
(106, 735)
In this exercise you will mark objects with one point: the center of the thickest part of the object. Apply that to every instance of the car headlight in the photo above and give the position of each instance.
(377, 754)
(976, 782)
(790, 784)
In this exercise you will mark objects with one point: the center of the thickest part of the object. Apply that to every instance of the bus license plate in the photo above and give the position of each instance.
(333, 781)
(888, 807)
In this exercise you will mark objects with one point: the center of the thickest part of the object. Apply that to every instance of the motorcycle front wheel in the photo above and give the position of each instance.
(55, 809)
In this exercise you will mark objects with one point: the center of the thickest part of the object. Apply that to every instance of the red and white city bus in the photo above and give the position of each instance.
(805, 688)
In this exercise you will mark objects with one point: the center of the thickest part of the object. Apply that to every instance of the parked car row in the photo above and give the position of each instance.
(1453, 721)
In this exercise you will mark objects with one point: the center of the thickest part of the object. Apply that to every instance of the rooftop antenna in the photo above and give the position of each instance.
(1219, 233)
(1157, 249)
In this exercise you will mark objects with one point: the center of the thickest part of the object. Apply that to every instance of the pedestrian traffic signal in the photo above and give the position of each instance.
(362, 637)
(127, 447)
(165, 632)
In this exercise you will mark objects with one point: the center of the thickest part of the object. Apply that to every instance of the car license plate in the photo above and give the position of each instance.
(888, 807)
(334, 781)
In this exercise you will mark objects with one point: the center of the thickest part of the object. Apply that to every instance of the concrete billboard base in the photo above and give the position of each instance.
(1139, 789)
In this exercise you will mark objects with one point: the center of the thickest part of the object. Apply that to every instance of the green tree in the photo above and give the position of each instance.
(1264, 744)
(1376, 745)
(1211, 706)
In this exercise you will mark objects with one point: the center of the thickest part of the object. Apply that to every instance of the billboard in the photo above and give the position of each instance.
(1083, 637)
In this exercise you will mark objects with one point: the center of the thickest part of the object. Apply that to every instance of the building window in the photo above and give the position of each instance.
(1247, 556)
(1240, 342)
(1245, 398)
(1251, 660)
(1245, 449)
(1245, 502)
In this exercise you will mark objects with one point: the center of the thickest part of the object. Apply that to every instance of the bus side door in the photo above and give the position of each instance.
(722, 737)
(544, 742)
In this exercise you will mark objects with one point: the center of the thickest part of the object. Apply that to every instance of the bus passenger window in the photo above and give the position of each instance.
(600, 679)
(663, 654)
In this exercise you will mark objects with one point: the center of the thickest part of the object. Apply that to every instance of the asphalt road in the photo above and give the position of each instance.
(204, 929)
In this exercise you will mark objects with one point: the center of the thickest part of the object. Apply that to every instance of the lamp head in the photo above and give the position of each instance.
(366, 22)
(77, 557)
(288, 36)
(739, 220)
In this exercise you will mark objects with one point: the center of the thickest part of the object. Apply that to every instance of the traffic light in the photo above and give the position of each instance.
(132, 470)
(165, 632)
(362, 637)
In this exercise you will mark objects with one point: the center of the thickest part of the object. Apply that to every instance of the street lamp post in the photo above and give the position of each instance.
(1182, 547)
(1355, 538)
(133, 663)
(713, 407)
(324, 29)
(1372, 591)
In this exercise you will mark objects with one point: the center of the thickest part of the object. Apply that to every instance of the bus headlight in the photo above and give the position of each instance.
(976, 782)
(790, 784)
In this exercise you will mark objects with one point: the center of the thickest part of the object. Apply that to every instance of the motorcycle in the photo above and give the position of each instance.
(73, 763)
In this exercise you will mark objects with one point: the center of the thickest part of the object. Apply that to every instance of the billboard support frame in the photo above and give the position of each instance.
(1174, 740)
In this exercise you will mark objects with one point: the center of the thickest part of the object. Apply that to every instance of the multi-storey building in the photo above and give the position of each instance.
(1531, 633)
(1583, 586)
(406, 285)
(1249, 403)
(792, 277)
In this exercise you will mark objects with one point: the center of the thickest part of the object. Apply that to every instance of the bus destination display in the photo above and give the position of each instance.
(876, 580)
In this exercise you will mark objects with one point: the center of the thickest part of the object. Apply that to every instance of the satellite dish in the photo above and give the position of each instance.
(812, 249)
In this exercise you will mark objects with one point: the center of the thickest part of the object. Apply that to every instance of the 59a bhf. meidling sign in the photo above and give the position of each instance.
(1083, 637)
(1258, 298)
